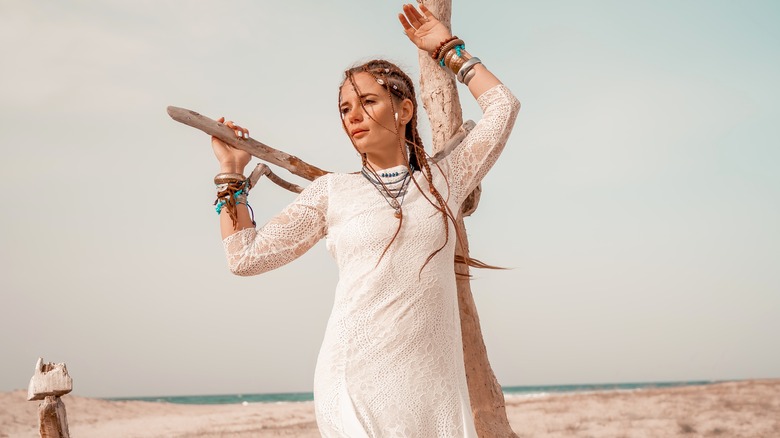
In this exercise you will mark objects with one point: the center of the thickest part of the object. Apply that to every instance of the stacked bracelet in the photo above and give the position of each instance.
(232, 189)
(450, 55)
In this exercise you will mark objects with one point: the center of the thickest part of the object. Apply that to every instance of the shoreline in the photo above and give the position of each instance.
(746, 408)
(508, 391)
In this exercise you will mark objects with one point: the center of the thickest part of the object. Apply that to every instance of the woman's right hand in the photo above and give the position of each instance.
(231, 160)
(423, 28)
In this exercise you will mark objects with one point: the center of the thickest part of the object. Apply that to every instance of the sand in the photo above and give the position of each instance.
(731, 409)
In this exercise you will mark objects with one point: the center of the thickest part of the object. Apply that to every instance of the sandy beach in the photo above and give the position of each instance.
(731, 409)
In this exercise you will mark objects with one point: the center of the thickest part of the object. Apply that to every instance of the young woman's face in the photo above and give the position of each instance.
(374, 134)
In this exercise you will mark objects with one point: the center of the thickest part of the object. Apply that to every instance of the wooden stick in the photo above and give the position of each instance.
(282, 159)
(262, 151)
(261, 169)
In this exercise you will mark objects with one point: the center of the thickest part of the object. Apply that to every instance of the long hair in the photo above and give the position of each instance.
(399, 86)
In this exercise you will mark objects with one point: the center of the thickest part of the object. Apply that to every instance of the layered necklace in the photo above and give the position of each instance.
(392, 186)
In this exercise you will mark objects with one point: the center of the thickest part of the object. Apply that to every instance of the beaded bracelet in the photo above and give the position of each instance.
(437, 52)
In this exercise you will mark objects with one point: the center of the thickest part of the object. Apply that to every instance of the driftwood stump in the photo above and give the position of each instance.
(49, 382)
(439, 95)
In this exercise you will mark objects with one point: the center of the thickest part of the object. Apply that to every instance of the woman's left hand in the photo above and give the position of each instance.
(423, 28)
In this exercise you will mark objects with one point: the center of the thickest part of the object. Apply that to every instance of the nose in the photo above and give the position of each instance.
(355, 114)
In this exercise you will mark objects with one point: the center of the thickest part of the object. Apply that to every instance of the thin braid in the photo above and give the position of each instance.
(422, 157)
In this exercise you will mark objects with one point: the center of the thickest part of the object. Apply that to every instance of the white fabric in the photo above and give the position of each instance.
(391, 363)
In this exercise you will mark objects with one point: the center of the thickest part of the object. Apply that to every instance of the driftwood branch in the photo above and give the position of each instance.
(263, 170)
(262, 151)
(282, 159)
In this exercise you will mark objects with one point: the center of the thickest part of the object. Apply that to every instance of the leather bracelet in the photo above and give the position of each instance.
(228, 177)
(457, 62)
(448, 58)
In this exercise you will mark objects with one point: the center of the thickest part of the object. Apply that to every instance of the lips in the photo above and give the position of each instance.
(358, 131)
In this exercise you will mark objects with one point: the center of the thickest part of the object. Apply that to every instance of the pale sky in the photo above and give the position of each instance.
(637, 201)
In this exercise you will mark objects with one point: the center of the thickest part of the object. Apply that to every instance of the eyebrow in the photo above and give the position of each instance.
(362, 96)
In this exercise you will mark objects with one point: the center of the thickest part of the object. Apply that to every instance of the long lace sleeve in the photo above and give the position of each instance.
(285, 237)
(475, 155)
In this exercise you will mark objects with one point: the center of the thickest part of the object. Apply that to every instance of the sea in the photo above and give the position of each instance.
(510, 391)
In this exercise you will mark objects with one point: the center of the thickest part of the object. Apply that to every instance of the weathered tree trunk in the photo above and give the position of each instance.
(440, 99)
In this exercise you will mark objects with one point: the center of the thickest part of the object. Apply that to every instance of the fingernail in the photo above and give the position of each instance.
(246, 135)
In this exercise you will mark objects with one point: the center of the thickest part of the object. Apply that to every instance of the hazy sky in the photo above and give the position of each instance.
(637, 201)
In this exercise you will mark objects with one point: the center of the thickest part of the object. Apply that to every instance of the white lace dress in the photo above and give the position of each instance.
(391, 363)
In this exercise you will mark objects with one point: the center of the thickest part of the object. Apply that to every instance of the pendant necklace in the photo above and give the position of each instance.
(391, 190)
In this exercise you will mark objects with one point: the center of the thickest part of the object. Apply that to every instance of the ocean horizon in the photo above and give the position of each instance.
(528, 391)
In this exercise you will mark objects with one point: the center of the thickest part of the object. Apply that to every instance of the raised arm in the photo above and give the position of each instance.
(472, 159)
(429, 34)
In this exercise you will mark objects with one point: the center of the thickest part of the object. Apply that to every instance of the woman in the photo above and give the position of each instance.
(391, 363)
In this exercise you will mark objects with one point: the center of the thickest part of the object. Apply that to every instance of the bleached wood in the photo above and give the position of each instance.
(263, 170)
(52, 420)
(289, 162)
(49, 379)
(262, 151)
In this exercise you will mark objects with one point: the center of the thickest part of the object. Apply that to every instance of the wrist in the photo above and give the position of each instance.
(230, 168)
(437, 53)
